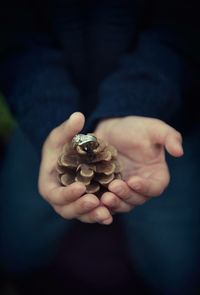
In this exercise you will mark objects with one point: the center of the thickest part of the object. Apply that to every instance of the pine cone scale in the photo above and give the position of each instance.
(92, 188)
(66, 179)
(84, 180)
(94, 164)
(104, 179)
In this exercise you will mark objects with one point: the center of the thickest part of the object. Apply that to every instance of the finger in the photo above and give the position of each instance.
(150, 187)
(64, 195)
(79, 207)
(126, 193)
(99, 215)
(66, 131)
(47, 177)
(114, 203)
(119, 187)
(173, 144)
(170, 138)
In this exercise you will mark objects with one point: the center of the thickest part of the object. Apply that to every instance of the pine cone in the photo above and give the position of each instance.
(88, 160)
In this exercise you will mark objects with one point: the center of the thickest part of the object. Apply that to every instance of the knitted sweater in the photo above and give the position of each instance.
(104, 58)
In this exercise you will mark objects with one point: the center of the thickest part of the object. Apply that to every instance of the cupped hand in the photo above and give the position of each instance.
(71, 201)
(141, 143)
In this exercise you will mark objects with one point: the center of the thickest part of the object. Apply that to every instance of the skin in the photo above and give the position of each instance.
(141, 143)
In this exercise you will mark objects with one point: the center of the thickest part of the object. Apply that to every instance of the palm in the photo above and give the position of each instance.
(141, 144)
(138, 164)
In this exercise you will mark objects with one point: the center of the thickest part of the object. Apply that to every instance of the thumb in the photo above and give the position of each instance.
(66, 131)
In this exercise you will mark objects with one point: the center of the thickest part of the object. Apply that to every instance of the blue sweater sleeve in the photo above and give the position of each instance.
(38, 90)
(150, 81)
(33, 76)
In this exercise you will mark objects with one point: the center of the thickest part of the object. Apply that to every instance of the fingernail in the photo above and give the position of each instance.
(102, 214)
(179, 149)
(107, 221)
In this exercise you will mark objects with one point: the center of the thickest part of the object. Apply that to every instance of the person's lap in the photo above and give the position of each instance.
(163, 234)
(34, 238)
(30, 230)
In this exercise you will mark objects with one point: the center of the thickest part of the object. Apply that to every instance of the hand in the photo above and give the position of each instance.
(141, 144)
(71, 201)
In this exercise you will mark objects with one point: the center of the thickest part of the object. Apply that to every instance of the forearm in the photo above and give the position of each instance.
(33, 73)
(150, 82)
(39, 91)
(154, 79)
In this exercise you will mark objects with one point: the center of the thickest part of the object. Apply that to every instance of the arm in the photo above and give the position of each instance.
(41, 95)
(150, 82)
(156, 75)
(33, 76)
